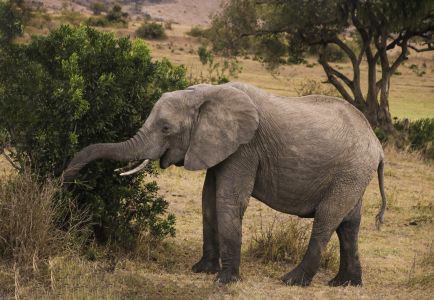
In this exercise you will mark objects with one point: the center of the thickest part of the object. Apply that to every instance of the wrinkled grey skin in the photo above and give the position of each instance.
(309, 156)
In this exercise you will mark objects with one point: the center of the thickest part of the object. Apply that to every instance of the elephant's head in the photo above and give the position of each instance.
(197, 127)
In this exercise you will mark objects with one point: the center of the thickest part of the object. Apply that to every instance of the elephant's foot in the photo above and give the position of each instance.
(210, 266)
(225, 277)
(297, 277)
(344, 279)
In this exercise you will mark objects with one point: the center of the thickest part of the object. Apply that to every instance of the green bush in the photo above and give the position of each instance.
(419, 134)
(98, 7)
(79, 86)
(334, 53)
(152, 31)
(197, 31)
(218, 70)
(116, 15)
(97, 21)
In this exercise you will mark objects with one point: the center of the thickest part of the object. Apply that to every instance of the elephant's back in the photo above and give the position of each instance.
(323, 135)
(323, 121)
(317, 124)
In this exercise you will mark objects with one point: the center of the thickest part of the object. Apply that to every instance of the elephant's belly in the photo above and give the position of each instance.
(287, 194)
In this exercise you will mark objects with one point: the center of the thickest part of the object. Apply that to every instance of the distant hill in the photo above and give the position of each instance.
(189, 12)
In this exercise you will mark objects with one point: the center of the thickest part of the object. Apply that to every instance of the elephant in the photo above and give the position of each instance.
(311, 156)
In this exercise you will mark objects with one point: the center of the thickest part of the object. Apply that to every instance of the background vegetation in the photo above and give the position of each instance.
(397, 261)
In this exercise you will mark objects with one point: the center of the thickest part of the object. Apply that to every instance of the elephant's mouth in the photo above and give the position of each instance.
(137, 166)
(166, 161)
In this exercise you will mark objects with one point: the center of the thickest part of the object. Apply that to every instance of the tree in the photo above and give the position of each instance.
(116, 15)
(279, 31)
(78, 86)
(98, 7)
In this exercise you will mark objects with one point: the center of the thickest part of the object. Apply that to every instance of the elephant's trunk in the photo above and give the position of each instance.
(130, 150)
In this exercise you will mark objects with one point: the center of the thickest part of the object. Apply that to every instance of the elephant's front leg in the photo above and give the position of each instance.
(209, 263)
(234, 188)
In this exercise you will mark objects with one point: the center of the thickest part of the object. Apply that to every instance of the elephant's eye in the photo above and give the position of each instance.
(165, 129)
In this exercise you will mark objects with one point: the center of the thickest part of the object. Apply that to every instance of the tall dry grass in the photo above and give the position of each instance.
(36, 221)
(287, 241)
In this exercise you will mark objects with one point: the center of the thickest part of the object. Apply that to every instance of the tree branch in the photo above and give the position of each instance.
(430, 47)
(365, 35)
(346, 49)
(400, 58)
(331, 77)
(330, 70)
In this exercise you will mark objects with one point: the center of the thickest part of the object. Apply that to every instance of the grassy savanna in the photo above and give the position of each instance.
(398, 260)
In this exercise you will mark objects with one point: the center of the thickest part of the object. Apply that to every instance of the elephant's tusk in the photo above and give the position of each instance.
(136, 169)
(128, 166)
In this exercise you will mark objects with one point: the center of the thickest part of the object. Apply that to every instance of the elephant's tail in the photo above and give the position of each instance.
(379, 218)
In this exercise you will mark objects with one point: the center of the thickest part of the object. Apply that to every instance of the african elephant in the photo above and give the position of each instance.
(310, 156)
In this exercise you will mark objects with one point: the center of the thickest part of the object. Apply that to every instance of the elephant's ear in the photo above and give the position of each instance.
(226, 118)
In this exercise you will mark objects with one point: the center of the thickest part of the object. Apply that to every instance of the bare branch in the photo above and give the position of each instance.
(365, 34)
(430, 47)
(346, 49)
(330, 70)
(331, 77)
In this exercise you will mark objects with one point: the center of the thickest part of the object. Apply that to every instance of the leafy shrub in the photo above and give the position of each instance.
(98, 7)
(419, 134)
(152, 31)
(334, 53)
(287, 242)
(218, 71)
(116, 15)
(198, 31)
(97, 21)
(79, 86)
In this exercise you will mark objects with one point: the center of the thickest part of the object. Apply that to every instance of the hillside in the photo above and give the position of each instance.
(188, 12)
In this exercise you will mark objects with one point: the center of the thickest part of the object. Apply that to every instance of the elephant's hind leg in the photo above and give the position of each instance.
(350, 271)
(336, 204)
(209, 263)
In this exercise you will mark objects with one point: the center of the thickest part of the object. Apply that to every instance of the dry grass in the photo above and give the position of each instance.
(30, 214)
(286, 241)
(395, 260)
